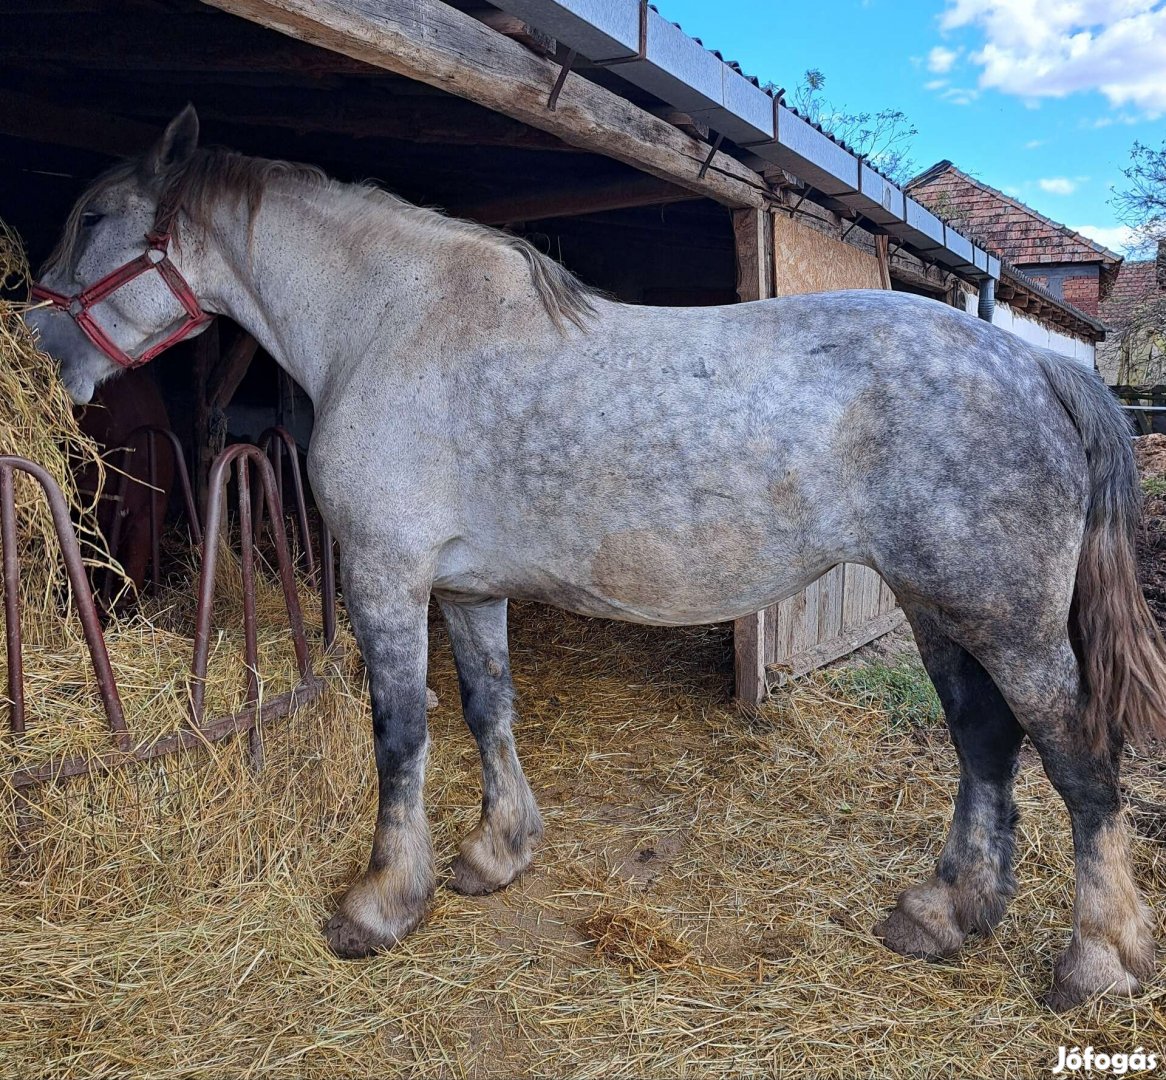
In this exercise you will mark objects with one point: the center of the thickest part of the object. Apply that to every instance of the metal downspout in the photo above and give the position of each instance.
(987, 304)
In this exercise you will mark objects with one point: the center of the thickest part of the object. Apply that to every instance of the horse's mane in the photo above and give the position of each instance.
(214, 173)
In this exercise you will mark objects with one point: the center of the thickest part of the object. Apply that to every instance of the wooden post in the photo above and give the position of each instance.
(753, 234)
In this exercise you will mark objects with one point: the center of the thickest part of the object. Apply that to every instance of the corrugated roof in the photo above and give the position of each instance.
(779, 93)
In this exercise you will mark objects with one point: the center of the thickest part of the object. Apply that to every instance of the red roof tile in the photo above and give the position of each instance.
(1001, 223)
(1135, 282)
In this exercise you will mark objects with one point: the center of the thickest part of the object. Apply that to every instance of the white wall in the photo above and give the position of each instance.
(1024, 326)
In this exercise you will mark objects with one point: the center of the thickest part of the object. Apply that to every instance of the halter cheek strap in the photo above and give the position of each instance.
(155, 257)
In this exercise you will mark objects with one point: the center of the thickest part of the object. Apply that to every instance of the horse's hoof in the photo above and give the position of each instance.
(922, 924)
(478, 871)
(366, 922)
(349, 940)
(468, 881)
(484, 865)
(1090, 968)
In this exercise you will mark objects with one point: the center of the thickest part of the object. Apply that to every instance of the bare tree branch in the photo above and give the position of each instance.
(882, 138)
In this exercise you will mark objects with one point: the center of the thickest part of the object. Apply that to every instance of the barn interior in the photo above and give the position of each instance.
(84, 83)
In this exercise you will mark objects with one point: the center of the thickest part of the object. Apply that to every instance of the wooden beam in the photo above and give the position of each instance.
(31, 118)
(574, 202)
(882, 246)
(436, 44)
(753, 237)
(917, 278)
(513, 27)
(228, 373)
(753, 233)
(438, 121)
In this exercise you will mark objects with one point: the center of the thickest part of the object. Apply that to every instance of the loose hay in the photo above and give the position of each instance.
(170, 928)
(634, 940)
(37, 422)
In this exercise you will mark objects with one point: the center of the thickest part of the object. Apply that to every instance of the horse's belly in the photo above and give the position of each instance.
(681, 575)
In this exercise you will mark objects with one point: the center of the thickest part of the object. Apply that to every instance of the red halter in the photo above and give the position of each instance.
(153, 258)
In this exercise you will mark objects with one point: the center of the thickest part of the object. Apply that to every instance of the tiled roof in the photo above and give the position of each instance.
(1018, 232)
(1135, 282)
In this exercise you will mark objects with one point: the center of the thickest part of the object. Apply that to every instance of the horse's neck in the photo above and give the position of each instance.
(302, 287)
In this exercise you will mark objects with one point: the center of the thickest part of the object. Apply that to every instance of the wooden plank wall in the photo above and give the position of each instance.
(849, 605)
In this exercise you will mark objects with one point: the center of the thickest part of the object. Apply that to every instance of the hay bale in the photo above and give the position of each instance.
(37, 422)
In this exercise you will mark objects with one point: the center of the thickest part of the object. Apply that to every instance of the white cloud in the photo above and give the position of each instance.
(1033, 144)
(1058, 185)
(935, 84)
(940, 60)
(1109, 121)
(959, 95)
(1119, 238)
(1051, 48)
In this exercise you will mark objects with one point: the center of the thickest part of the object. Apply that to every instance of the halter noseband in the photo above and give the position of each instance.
(155, 257)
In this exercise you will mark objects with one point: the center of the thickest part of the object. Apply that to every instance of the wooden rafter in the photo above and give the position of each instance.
(575, 201)
(434, 43)
(79, 127)
(178, 43)
(428, 121)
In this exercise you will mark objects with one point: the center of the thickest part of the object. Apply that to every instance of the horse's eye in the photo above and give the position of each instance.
(90, 218)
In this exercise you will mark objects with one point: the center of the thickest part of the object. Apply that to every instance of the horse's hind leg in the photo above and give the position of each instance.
(973, 881)
(1112, 947)
(501, 845)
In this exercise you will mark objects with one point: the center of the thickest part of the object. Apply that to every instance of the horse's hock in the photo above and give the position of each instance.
(218, 701)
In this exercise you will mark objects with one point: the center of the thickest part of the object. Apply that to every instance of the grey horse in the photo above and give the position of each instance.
(487, 427)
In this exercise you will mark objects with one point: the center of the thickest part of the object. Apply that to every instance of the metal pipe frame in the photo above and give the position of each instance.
(150, 433)
(199, 730)
(277, 442)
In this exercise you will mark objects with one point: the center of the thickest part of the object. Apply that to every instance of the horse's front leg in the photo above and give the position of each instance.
(389, 618)
(501, 845)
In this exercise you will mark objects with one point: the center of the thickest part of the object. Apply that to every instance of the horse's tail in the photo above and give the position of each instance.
(1122, 651)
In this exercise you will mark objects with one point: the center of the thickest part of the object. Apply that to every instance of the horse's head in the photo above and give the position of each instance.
(113, 297)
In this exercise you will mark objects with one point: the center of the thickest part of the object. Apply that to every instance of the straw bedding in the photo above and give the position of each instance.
(701, 905)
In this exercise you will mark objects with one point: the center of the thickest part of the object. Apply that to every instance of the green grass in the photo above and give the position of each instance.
(1154, 485)
(903, 692)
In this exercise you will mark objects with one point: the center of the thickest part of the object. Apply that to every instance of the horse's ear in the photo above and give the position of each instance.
(177, 144)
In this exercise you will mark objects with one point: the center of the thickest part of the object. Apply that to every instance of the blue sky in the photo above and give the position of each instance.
(1040, 98)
